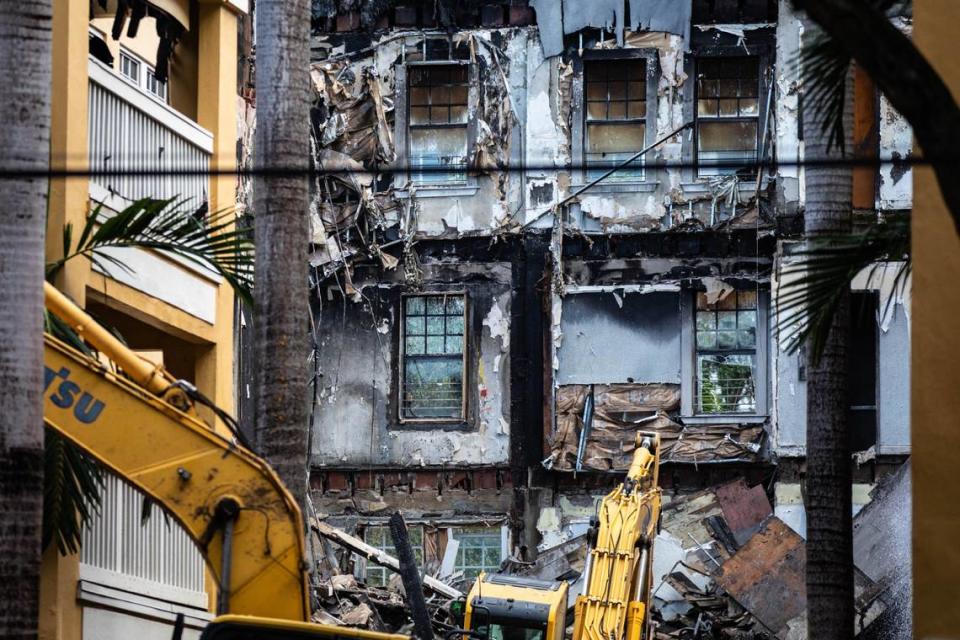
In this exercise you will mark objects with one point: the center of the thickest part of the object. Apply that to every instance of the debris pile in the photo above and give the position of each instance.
(724, 567)
(344, 600)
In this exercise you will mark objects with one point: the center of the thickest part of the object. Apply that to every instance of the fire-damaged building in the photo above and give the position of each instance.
(532, 237)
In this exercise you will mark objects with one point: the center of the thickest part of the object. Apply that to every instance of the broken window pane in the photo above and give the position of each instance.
(433, 358)
(378, 536)
(616, 111)
(438, 123)
(727, 113)
(726, 339)
(481, 549)
(725, 383)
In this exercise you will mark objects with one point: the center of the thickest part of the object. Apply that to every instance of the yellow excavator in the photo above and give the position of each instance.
(144, 427)
(615, 601)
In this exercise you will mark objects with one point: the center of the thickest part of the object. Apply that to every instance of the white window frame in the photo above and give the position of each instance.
(145, 71)
(688, 372)
(504, 541)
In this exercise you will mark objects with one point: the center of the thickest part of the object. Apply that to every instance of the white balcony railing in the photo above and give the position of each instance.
(131, 130)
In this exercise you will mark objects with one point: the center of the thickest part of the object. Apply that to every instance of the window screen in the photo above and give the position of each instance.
(379, 536)
(616, 116)
(727, 113)
(433, 357)
(438, 123)
(481, 549)
(726, 358)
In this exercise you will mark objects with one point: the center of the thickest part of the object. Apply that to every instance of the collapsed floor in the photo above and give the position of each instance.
(725, 566)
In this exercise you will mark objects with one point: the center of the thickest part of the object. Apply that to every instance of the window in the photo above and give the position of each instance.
(616, 116)
(433, 357)
(154, 86)
(726, 353)
(379, 537)
(727, 113)
(142, 75)
(481, 549)
(438, 123)
(130, 67)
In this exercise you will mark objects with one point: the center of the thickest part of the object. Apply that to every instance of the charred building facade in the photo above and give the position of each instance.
(505, 290)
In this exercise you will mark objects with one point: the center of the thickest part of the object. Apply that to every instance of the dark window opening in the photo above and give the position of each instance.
(616, 116)
(862, 369)
(728, 113)
(438, 122)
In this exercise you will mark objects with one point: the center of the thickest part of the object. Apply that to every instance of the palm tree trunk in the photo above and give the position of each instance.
(281, 237)
(829, 209)
(25, 56)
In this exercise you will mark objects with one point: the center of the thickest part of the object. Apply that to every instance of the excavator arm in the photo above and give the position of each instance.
(616, 591)
(229, 501)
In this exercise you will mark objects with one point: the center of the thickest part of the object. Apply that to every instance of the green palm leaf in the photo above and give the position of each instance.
(162, 225)
(818, 272)
(72, 484)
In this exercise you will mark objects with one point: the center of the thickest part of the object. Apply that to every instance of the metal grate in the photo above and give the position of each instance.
(157, 551)
(123, 136)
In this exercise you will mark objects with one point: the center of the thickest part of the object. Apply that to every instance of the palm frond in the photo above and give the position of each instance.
(72, 486)
(163, 225)
(819, 271)
(824, 65)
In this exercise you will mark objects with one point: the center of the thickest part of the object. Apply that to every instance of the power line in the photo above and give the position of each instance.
(7, 173)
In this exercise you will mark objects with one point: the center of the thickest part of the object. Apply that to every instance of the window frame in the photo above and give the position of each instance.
(578, 117)
(404, 179)
(689, 411)
(144, 71)
(401, 369)
(504, 540)
(761, 45)
(698, 119)
(412, 526)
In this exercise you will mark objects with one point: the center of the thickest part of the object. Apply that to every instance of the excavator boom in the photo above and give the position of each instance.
(228, 500)
(223, 495)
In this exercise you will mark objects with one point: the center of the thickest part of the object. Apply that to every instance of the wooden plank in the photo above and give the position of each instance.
(378, 557)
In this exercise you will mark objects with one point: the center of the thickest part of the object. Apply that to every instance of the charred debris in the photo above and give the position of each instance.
(493, 319)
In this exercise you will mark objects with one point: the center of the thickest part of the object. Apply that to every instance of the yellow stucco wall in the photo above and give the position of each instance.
(203, 87)
(935, 410)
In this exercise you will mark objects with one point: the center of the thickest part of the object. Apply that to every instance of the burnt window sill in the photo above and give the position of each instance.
(458, 190)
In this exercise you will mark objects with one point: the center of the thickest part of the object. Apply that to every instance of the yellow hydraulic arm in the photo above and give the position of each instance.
(229, 500)
(616, 591)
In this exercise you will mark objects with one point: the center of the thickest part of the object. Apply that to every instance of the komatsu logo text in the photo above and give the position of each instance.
(86, 408)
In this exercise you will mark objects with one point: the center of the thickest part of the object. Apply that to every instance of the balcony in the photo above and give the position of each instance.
(130, 130)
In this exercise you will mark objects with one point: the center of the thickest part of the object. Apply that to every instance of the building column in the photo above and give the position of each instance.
(935, 403)
(217, 112)
(69, 197)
